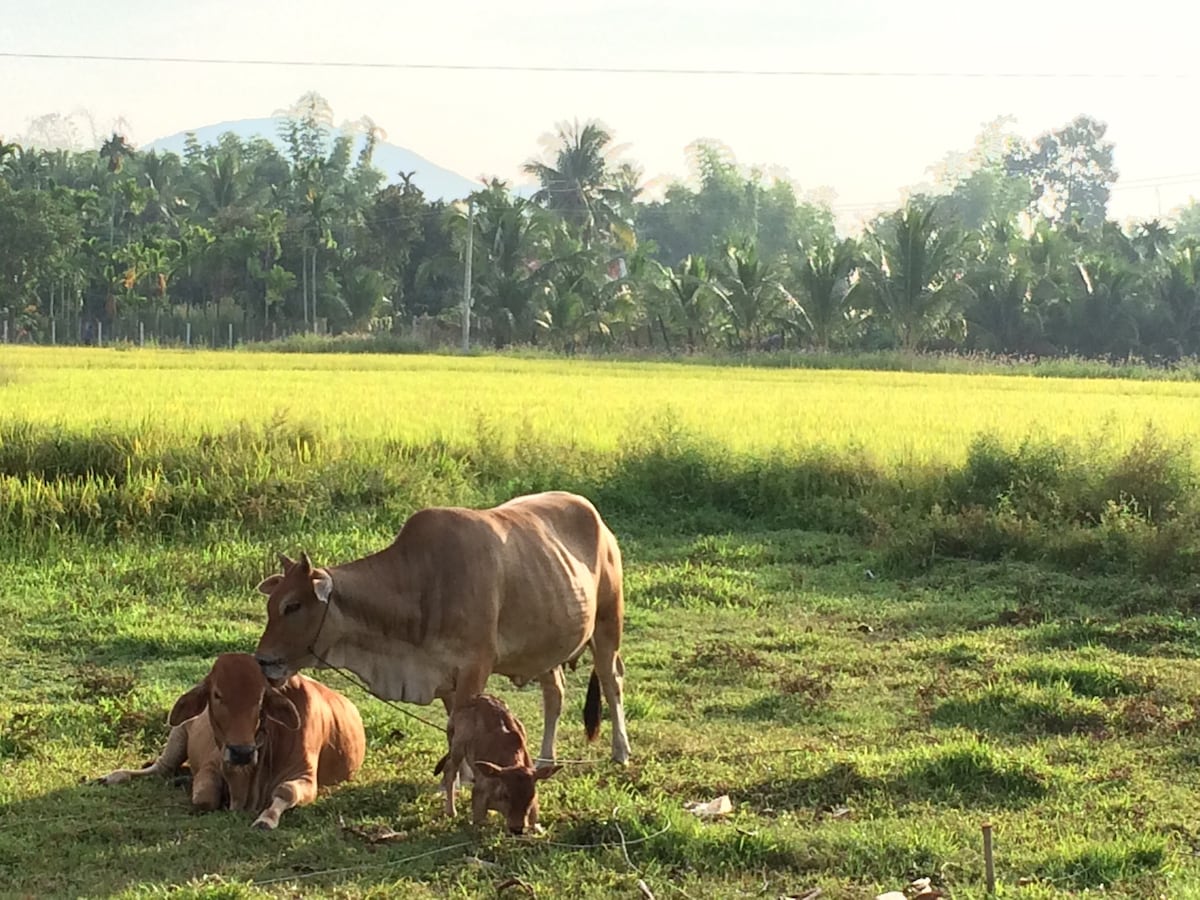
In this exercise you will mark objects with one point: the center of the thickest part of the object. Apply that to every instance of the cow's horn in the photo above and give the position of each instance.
(286, 561)
(305, 562)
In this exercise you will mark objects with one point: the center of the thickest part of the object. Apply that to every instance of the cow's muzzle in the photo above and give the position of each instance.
(241, 754)
(273, 669)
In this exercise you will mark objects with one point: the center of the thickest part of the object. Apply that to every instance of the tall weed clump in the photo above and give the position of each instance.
(1075, 505)
(1068, 504)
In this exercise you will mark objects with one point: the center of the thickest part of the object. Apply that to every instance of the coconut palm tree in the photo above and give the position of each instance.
(913, 267)
(578, 181)
(824, 275)
(751, 294)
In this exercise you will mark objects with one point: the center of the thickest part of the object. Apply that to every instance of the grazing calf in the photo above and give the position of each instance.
(489, 738)
(265, 749)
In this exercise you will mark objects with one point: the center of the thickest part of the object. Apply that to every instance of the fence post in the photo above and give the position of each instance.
(141, 333)
(187, 330)
(99, 333)
(53, 332)
(230, 335)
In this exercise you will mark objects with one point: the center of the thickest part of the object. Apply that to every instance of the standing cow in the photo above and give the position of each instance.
(519, 590)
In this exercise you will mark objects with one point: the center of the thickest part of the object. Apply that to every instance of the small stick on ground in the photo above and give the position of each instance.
(989, 866)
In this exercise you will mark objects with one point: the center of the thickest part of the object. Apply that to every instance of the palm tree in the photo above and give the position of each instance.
(751, 294)
(912, 266)
(116, 151)
(687, 286)
(511, 242)
(577, 182)
(1178, 295)
(825, 273)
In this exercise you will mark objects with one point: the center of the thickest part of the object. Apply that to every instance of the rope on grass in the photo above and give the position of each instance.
(347, 869)
(344, 870)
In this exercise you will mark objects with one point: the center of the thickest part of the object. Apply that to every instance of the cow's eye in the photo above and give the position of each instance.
(291, 608)
(217, 695)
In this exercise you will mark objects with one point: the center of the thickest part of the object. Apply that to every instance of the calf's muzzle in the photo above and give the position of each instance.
(240, 754)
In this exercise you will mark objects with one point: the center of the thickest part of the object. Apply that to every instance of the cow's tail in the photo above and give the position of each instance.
(441, 764)
(591, 708)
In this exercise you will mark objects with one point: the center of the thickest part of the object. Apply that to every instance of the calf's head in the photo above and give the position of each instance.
(297, 601)
(239, 701)
(512, 791)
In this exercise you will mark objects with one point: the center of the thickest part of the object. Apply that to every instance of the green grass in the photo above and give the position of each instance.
(871, 660)
(856, 760)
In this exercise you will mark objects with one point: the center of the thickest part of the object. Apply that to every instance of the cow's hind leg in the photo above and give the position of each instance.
(552, 700)
(296, 792)
(165, 766)
(610, 670)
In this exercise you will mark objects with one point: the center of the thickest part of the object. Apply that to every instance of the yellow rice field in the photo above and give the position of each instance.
(897, 417)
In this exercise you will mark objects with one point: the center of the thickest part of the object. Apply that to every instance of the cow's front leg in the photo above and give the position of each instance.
(208, 788)
(296, 792)
(552, 699)
(471, 680)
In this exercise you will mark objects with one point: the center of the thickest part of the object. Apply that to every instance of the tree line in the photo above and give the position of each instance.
(1009, 249)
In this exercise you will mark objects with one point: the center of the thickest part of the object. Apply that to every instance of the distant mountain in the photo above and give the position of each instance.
(436, 182)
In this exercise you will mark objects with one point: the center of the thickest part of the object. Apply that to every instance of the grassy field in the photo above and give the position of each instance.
(898, 417)
(871, 649)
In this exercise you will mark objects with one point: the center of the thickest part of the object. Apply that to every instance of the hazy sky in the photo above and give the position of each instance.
(866, 138)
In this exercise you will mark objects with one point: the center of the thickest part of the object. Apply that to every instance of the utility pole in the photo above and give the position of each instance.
(466, 301)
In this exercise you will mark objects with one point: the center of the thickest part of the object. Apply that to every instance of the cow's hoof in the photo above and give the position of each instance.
(263, 824)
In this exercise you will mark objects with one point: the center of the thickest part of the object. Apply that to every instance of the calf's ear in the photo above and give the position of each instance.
(539, 774)
(189, 705)
(486, 769)
(269, 584)
(280, 709)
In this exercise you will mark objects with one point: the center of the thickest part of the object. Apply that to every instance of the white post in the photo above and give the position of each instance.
(53, 332)
(187, 331)
(230, 335)
(6, 329)
(466, 301)
(141, 333)
(99, 333)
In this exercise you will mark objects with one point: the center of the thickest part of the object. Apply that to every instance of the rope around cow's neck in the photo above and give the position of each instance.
(354, 679)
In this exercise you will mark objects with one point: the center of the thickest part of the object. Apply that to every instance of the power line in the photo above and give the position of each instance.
(587, 70)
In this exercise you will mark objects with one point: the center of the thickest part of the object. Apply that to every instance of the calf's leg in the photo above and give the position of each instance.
(208, 788)
(296, 792)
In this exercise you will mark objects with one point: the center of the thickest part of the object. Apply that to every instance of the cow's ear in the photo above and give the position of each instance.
(539, 774)
(280, 709)
(189, 705)
(305, 563)
(286, 561)
(322, 584)
(486, 769)
(269, 584)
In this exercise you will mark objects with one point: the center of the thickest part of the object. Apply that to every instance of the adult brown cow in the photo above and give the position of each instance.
(519, 590)
(266, 749)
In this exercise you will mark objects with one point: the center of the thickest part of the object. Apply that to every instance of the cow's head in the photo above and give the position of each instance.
(296, 605)
(239, 701)
(512, 791)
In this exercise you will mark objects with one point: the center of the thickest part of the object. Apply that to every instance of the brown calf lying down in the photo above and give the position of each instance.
(266, 749)
(484, 734)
